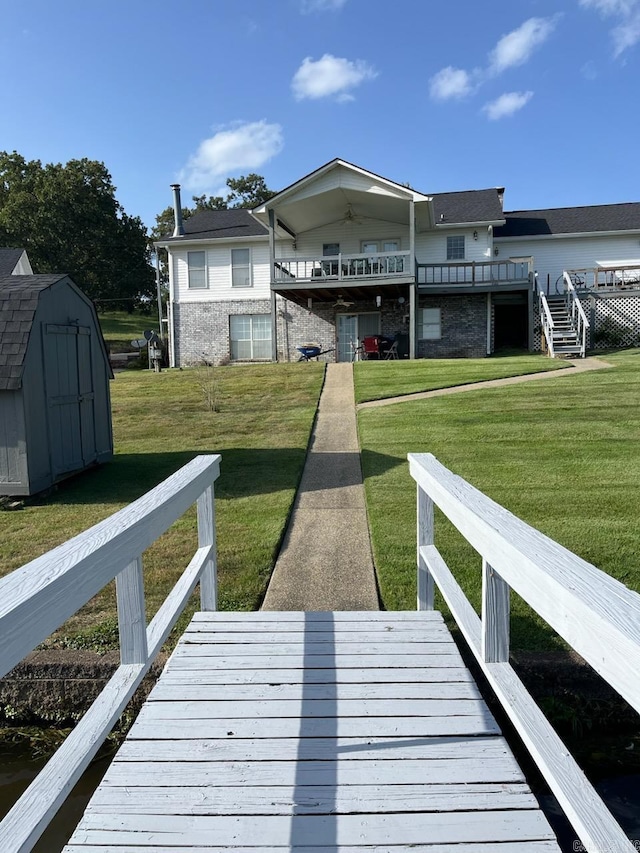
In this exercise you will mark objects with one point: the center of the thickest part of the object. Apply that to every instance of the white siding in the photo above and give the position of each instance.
(218, 259)
(552, 255)
(431, 248)
(350, 237)
(345, 179)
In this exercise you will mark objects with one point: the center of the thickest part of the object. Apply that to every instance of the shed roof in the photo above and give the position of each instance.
(468, 206)
(571, 220)
(219, 224)
(19, 296)
(9, 259)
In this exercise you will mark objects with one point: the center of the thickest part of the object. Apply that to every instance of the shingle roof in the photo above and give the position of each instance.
(571, 220)
(468, 206)
(19, 296)
(8, 260)
(217, 224)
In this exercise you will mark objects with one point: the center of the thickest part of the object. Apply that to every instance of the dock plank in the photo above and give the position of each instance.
(339, 733)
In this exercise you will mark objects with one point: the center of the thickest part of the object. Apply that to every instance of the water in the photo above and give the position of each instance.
(17, 771)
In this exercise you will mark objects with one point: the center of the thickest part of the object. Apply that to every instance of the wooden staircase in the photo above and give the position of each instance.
(566, 339)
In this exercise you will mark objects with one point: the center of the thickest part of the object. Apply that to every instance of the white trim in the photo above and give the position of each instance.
(484, 223)
(569, 235)
(167, 244)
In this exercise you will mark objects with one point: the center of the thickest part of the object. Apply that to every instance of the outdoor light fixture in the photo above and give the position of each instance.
(309, 303)
(475, 235)
(378, 300)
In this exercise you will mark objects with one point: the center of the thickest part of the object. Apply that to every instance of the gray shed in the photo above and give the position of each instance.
(55, 407)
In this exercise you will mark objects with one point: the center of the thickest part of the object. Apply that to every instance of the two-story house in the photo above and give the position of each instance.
(343, 254)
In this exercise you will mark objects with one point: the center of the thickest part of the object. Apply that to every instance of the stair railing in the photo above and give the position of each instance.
(547, 322)
(578, 318)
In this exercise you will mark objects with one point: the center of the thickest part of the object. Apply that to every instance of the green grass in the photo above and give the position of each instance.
(375, 380)
(160, 422)
(119, 328)
(562, 454)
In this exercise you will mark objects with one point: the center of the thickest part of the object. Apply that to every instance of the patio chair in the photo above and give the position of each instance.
(371, 346)
(392, 352)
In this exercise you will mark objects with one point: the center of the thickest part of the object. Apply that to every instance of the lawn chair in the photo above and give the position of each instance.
(392, 352)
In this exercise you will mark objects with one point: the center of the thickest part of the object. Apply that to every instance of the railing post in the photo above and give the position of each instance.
(207, 537)
(495, 616)
(425, 537)
(132, 620)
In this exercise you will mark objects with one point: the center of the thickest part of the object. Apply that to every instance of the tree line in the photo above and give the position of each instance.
(68, 219)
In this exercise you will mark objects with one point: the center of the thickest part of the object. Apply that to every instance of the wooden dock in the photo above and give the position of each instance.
(316, 731)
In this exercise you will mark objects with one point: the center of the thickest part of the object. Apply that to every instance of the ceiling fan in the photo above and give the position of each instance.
(342, 303)
(350, 216)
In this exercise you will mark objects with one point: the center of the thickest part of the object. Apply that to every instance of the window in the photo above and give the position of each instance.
(241, 267)
(330, 250)
(455, 248)
(431, 324)
(386, 265)
(250, 336)
(197, 266)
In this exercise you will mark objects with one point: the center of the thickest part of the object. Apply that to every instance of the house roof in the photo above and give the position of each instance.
(9, 259)
(468, 206)
(219, 224)
(571, 220)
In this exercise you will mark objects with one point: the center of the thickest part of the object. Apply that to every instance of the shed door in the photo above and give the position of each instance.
(70, 397)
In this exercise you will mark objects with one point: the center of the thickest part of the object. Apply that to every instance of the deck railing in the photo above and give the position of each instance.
(342, 267)
(39, 597)
(470, 273)
(620, 277)
(576, 311)
(592, 611)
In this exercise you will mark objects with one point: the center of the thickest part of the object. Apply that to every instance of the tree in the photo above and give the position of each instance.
(68, 219)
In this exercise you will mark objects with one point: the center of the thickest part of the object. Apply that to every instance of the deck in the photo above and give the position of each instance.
(315, 731)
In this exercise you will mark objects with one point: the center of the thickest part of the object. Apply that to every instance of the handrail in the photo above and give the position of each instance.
(578, 317)
(592, 611)
(547, 322)
(342, 267)
(614, 277)
(39, 597)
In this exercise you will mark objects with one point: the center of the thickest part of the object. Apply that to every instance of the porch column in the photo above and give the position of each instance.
(413, 288)
(412, 237)
(530, 319)
(272, 257)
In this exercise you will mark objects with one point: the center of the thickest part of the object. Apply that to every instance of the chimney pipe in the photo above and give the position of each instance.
(178, 230)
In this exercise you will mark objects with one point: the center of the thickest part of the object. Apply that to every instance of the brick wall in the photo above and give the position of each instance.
(463, 326)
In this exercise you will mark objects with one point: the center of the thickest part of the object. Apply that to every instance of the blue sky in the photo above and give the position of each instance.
(541, 97)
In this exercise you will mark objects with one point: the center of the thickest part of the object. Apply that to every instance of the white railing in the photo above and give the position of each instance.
(39, 597)
(592, 611)
(466, 273)
(578, 317)
(547, 322)
(342, 267)
(618, 277)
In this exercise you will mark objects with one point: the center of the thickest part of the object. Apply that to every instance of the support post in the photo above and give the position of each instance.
(424, 537)
(207, 538)
(412, 320)
(132, 620)
(272, 260)
(495, 616)
(530, 318)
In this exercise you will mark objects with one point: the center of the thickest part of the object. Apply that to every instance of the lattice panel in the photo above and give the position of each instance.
(616, 322)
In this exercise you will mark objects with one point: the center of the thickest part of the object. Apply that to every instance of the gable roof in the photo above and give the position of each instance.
(571, 220)
(19, 296)
(468, 206)
(9, 259)
(217, 224)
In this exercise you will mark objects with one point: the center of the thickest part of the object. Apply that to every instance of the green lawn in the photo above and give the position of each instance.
(160, 421)
(562, 454)
(377, 379)
(119, 328)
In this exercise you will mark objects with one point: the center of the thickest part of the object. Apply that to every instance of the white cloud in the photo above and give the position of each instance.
(239, 146)
(507, 104)
(627, 33)
(450, 83)
(309, 6)
(330, 76)
(517, 46)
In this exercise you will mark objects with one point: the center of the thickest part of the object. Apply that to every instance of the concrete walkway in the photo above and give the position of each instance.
(325, 562)
(578, 365)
